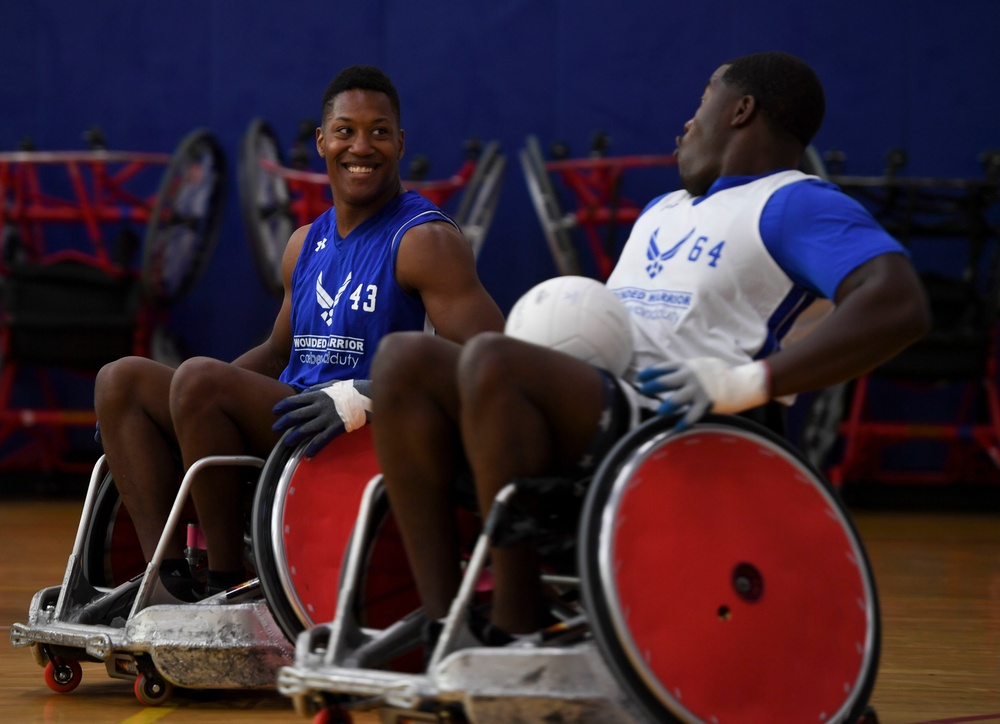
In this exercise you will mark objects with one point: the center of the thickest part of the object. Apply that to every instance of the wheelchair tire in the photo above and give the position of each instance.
(388, 591)
(821, 430)
(111, 552)
(303, 518)
(764, 607)
(185, 220)
(265, 202)
(549, 209)
(481, 197)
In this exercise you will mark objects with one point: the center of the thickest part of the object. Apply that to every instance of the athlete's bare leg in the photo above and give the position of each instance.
(220, 409)
(419, 450)
(131, 397)
(525, 411)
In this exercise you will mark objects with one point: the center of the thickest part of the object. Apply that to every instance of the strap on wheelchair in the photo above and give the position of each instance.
(545, 511)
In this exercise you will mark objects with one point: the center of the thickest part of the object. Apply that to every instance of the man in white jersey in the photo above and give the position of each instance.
(392, 261)
(714, 276)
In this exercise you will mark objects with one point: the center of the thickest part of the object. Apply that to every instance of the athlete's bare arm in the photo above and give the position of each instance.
(271, 356)
(436, 262)
(881, 308)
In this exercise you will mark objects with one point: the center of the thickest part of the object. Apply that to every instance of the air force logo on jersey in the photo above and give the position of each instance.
(655, 303)
(656, 257)
(327, 302)
(334, 349)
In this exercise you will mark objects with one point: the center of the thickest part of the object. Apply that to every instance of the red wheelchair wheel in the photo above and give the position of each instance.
(111, 551)
(305, 511)
(763, 607)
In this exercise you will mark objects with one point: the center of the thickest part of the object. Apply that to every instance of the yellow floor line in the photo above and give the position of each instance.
(149, 715)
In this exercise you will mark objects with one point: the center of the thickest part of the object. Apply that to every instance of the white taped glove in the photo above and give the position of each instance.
(323, 412)
(703, 384)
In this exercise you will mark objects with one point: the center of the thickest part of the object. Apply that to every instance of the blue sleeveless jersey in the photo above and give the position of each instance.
(345, 296)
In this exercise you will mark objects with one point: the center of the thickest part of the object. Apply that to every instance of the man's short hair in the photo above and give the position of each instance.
(364, 77)
(788, 92)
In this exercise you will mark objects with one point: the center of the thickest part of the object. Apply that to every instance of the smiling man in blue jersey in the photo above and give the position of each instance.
(381, 259)
(717, 278)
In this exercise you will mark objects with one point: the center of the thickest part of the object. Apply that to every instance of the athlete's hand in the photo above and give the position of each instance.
(706, 384)
(323, 412)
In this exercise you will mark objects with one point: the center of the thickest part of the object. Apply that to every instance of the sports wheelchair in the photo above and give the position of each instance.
(228, 641)
(713, 576)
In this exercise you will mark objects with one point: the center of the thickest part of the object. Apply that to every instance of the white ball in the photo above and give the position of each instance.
(578, 316)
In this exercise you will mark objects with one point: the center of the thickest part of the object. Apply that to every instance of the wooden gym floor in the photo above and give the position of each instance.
(938, 576)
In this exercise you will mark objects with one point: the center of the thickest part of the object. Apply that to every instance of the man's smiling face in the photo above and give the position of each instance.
(361, 142)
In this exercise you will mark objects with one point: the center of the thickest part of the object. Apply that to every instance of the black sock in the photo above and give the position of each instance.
(175, 567)
(177, 578)
(486, 632)
(219, 581)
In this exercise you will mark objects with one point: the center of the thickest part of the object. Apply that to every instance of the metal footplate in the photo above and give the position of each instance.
(227, 647)
(232, 646)
(491, 685)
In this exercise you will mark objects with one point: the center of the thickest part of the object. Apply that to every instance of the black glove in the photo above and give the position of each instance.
(323, 412)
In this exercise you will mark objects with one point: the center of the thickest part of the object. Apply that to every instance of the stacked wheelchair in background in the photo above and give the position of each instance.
(74, 296)
(595, 186)
(931, 416)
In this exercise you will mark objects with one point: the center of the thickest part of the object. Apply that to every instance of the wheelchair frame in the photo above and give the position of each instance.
(164, 642)
(604, 672)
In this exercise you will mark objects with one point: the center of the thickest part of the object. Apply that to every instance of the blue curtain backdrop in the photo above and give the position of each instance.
(914, 74)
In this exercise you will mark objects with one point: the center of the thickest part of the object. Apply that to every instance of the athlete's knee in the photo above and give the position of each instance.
(195, 387)
(402, 360)
(117, 385)
(488, 366)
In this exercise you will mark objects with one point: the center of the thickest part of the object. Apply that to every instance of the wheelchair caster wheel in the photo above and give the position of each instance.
(152, 690)
(869, 716)
(332, 715)
(62, 675)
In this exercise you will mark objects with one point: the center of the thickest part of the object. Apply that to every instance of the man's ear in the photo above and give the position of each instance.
(402, 143)
(745, 110)
(319, 142)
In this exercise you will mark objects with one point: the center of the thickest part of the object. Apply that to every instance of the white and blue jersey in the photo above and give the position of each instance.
(345, 296)
(729, 274)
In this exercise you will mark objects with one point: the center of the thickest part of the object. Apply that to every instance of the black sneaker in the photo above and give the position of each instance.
(476, 632)
(113, 607)
(487, 633)
(184, 588)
